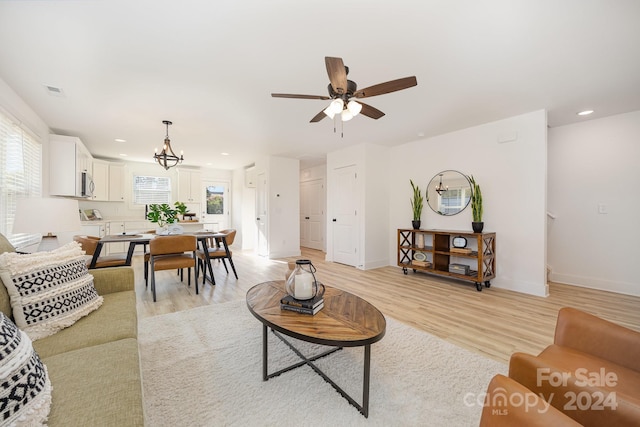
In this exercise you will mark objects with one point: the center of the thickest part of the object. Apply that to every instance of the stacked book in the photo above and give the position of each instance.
(421, 263)
(311, 306)
(465, 251)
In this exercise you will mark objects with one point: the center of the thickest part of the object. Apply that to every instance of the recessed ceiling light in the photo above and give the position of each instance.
(585, 112)
(120, 140)
(123, 155)
(420, 134)
(224, 154)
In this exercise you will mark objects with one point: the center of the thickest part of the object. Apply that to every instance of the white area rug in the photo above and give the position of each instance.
(203, 367)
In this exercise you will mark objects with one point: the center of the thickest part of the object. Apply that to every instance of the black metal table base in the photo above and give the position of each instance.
(364, 408)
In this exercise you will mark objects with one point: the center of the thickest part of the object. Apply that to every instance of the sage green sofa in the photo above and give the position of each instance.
(94, 365)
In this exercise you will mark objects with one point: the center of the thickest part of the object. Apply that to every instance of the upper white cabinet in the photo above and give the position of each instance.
(189, 186)
(70, 167)
(116, 182)
(109, 181)
(100, 180)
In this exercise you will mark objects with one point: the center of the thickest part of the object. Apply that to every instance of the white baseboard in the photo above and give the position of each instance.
(626, 288)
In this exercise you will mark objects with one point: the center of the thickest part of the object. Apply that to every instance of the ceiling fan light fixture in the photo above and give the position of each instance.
(337, 105)
(346, 115)
(354, 107)
(329, 111)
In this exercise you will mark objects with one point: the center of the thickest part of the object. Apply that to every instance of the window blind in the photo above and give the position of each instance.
(20, 174)
(149, 190)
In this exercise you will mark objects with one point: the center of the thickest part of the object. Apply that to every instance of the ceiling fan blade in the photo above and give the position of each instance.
(370, 111)
(289, 95)
(321, 115)
(387, 87)
(337, 74)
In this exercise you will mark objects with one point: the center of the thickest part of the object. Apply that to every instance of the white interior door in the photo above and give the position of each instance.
(261, 212)
(345, 235)
(216, 208)
(312, 217)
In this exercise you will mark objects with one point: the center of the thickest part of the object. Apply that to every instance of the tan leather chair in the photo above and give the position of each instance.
(217, 251)
(172, 252)
(89, 245)
(508, 403)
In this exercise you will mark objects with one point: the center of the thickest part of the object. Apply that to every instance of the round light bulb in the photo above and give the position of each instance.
(354, 107)
(346, 115)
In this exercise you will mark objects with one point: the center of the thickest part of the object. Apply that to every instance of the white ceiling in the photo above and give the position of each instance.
(210, 67)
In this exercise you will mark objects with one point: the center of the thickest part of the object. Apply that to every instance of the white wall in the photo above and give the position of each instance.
(512, 176)
(376, 213)
(283, 204)
(372, 188)
(591, 164)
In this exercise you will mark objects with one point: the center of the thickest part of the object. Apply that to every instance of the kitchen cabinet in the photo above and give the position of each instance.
(114, 228)
(116, 182)
(70, 167)
(189, 182)
(100, 180)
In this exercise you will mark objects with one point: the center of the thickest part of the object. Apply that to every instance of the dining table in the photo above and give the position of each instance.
(136, 239)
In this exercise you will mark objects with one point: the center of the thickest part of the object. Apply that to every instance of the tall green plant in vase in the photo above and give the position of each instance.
(417, 202)
(476, 206)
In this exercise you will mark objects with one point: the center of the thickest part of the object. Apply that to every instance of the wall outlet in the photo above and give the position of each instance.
(602, 208)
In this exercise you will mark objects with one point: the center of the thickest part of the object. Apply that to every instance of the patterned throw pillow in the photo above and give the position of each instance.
(25, 389)
(49, 291)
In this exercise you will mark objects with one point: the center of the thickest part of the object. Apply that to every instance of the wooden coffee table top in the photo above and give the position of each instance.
(345, 321)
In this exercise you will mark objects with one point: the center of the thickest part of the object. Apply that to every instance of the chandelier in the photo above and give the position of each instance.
(441, 188)
(167, 158)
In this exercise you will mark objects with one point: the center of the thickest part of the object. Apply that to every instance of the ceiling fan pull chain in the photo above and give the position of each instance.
(342, 129)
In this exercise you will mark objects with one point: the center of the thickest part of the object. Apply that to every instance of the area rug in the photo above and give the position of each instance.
(203, 367)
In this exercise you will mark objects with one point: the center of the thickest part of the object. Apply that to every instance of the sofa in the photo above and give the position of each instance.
(591, 372)
(94, 365)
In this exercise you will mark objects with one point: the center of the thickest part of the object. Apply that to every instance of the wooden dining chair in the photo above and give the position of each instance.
(89, 245)
(217, 250)
(172, 252)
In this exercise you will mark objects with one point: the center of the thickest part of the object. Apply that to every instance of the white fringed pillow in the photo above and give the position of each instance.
(49, 291)
(25, 388)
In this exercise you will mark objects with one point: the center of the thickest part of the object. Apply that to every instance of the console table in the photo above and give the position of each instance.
(432, 251)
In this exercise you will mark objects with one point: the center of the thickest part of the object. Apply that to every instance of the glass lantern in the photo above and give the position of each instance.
(302, 283)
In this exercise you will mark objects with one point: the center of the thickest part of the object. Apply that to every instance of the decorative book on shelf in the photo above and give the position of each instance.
(465, 251)
(310, 303)
(421, 263)
(302, 310)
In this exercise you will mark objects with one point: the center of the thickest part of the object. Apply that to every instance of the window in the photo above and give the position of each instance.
(149, 190)
(215, 200)
(20, 174)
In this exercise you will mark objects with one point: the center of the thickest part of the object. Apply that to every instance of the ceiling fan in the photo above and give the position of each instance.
(342, 92)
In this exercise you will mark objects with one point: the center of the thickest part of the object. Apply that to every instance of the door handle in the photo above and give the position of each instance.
(258, 219)
(335, 220)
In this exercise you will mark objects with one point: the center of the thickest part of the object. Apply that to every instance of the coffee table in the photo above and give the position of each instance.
(345, 321)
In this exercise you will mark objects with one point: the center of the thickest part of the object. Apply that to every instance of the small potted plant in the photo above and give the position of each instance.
(416, 205)
(181, 208)
(163, 215)
(476, 206)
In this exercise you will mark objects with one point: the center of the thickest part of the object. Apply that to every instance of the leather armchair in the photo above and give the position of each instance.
(591, 372)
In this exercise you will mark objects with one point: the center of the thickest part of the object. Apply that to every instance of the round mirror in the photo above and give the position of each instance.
(449, 192)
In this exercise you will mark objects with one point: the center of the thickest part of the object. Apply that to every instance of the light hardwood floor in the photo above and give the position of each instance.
(494, 322)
